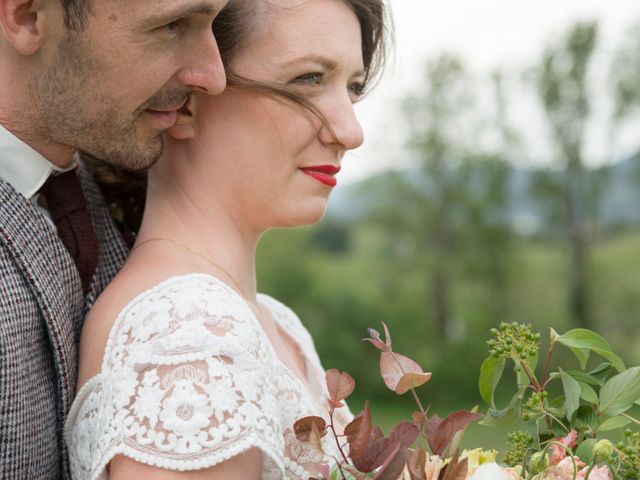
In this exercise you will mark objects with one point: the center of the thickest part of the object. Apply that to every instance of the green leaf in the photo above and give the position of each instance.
(583, 356)
(572, 392)
(582, 341)
(583, 377)
(620, 392)
(586, 417)
(505, 417)
(588, 394)
(613, 423)
(602, 372)
(585, 450)
(490, 374)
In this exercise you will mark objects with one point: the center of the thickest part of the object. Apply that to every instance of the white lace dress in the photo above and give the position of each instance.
(190, 379)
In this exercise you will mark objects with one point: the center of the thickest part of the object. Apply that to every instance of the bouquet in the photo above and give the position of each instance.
(564, 417)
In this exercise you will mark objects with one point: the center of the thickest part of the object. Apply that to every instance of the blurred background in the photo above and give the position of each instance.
(500, 181)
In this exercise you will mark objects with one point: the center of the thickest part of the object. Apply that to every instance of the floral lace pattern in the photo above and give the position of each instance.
(189, 379)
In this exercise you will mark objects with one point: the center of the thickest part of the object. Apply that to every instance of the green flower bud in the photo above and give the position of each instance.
(602, 451)
(539, 462)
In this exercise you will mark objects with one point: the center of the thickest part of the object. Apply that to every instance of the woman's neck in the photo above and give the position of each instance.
(206, 228)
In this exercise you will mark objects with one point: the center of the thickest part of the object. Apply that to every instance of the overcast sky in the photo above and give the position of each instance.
(487, 34)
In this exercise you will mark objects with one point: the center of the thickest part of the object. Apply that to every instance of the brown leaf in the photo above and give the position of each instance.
(376, 453)
(455, 470)
(377, 343)
(355, 473)
(394, 463)
(448, 427)
(305, 426)
(411, 380)
(340, 386)
(405, 433)
(358, 433)
(416, 464)
(315, 438)
(430, 427)
(393, 366)
(418, 419)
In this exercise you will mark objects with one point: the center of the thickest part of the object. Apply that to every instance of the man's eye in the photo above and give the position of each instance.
(176, 26)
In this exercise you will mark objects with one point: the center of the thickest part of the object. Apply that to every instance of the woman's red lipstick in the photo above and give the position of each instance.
(325, 174)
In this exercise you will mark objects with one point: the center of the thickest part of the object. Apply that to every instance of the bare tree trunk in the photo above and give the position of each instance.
(578, 244)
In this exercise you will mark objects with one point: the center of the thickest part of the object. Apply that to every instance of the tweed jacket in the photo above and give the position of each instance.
(42, 308)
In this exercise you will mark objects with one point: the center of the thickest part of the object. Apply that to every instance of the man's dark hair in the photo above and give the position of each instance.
(75, 13)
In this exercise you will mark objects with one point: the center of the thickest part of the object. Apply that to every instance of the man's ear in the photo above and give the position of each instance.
(21, 22)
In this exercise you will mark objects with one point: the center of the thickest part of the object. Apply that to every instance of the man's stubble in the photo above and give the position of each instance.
(68, 110)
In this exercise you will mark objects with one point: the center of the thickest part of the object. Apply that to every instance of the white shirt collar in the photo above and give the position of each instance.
(22, 167)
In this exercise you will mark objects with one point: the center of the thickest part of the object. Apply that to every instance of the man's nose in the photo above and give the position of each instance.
(204, 70)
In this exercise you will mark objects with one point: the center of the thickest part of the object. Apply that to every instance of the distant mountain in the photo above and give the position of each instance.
(620, 203)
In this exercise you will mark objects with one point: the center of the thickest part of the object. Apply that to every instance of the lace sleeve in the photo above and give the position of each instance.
(185, 385)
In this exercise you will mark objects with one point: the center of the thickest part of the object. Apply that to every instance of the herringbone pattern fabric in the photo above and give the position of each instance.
(41, 313)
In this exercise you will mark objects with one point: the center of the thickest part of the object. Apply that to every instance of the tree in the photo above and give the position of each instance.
(563, 89)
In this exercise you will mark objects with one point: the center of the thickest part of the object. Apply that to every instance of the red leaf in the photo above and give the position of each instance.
(411, 380)
(393, 464)
(304, 427)
(340, 386)
(418, 419)
(430, 427)
(387, 336)
(447, 429)
(405, 433)
(455, 470)
(358, 433)
(375, 454)
(377, 343)
(416, 464)
(393, 366)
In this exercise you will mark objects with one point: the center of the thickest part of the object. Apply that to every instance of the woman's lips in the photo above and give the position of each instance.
(325, 174)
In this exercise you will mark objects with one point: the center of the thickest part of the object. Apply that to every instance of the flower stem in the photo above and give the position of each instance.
(629, 417)
(335, 435)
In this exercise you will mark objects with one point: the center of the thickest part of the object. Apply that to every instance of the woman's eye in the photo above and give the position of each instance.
(357, 89)
(309, 78)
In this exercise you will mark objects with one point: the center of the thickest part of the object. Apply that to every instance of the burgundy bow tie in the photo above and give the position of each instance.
(68, 208)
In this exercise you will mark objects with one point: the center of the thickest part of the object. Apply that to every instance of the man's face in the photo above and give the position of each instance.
(113, 88)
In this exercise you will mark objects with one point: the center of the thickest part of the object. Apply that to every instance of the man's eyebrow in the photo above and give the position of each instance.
(181, 11)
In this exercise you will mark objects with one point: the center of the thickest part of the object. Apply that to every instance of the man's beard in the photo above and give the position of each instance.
(68, 112)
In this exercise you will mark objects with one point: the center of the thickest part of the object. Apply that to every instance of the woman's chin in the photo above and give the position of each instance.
(303, 218)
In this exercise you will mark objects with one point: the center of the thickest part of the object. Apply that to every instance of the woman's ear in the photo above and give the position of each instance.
(23, 23)
(184, 127)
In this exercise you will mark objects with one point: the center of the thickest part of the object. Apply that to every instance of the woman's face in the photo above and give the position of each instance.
(270, 161)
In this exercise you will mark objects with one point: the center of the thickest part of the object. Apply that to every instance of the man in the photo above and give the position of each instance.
(107, 77)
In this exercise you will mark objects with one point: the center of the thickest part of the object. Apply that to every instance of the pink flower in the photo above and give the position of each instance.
(598, 473)
(570, 440)
(557, 453)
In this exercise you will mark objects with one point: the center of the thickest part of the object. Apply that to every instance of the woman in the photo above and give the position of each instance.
(183, 366)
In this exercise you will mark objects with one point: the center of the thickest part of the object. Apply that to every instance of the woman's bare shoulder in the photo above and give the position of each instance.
(134, 278)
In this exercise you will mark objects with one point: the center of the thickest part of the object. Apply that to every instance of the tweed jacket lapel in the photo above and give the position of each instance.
(32, 248)
(30, 238)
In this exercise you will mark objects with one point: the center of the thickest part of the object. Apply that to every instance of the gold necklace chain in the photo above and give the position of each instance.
(195, 252)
